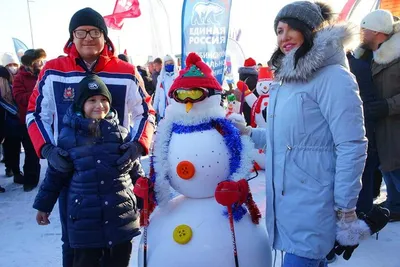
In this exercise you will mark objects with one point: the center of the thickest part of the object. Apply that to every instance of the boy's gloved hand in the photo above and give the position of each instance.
(57, 157)
(133, 150)
(42, 218)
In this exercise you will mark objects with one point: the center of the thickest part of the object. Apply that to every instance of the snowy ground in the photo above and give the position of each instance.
(25, 244)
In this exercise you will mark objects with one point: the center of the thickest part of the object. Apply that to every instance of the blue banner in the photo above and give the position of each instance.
(205, 29)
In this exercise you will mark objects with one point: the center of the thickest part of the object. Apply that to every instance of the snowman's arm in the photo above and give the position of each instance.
(259, 137)
(250, 99)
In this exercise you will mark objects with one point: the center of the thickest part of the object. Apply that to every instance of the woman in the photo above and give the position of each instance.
(315, 139)
(12, 141)
(24, 82)
(167, 76)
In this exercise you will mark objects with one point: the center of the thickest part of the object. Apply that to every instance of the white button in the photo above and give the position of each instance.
(102, 182)
(98, 161)
(110, 243)
(106, 222)
(106, 202)
(109, 128)
(76, 201)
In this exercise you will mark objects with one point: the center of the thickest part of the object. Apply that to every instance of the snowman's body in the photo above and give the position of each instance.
(181, 140)
(211, 243)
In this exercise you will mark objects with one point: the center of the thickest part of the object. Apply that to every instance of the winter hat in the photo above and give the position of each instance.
(9, 58)
(265, 74)
(90, 86)
(250, 67)
(167, 58)
(196, 74)
(88, 16)
(31, 55)
(378, 20)
(311, 14)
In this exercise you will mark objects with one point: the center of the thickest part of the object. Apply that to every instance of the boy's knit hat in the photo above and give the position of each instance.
(90, 86)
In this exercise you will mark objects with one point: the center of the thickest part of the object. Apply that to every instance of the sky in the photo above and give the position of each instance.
(50, 20)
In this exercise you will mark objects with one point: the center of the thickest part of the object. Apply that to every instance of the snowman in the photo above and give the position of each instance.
(197, 148)
(233, 106)
(258, 105)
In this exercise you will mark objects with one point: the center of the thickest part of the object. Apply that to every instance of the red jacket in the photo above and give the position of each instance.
(23, 85)
(57, 87)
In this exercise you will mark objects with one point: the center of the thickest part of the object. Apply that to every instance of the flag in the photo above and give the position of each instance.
(123, 9)
(205, 30)
(19, 47)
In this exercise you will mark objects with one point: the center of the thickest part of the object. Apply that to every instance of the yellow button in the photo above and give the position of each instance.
(182, 234)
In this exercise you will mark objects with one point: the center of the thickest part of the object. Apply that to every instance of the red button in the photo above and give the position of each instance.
(185, 170)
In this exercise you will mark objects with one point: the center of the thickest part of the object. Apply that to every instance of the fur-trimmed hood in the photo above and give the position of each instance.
(389, 50)
(328, 49)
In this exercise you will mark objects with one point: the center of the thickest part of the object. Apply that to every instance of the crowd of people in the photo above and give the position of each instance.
(92, 115)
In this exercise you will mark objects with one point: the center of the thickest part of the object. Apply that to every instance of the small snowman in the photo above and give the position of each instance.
(196, 150)
(233, 106)
(258, 104)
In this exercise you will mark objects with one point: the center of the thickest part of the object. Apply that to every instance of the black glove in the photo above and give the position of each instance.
(376, 219)
(133, 150)
(58, 158)
(377, 109)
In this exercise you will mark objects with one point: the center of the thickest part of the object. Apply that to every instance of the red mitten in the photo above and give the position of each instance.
(144, 189)
(242, 86)
(227, 193)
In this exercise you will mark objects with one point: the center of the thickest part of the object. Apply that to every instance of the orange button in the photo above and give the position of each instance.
(185, 170)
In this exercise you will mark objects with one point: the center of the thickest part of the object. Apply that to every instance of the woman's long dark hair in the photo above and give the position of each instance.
(308, 35)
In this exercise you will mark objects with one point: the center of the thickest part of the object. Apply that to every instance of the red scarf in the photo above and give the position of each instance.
(256, 109)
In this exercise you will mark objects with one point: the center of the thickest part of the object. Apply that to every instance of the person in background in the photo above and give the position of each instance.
(32, 63)
(102, 207)
(157, 66)
(360, 66)
(249, 75)
(259, 65)
(12, 127)
(167, 76)
(89, 50)
(381, 34)
(148, 82)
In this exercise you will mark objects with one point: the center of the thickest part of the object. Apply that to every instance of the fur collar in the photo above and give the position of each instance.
(389, 50)
(328, 49)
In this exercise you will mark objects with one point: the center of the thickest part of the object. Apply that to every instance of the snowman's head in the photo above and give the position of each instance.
(195, 85)
(265, 79)
(263, 87)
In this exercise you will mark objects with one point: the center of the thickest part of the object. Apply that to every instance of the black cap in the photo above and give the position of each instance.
(90, 86)
(88, 16)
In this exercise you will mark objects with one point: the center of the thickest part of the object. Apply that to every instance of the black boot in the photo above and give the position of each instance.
(2, 190)
(9, 173)
(29, 187)
(19, 178)
(331, 257)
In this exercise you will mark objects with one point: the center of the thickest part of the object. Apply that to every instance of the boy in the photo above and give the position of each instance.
(101, 207)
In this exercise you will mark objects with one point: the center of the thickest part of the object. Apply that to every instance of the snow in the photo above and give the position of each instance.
(25, 244)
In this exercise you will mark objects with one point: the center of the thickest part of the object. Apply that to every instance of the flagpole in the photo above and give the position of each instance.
(30, 22)
(169, 26)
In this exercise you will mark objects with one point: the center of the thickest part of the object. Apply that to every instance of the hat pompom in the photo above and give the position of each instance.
(193, 59)
(326, 11)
